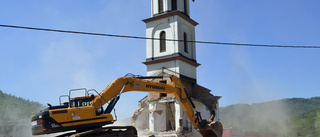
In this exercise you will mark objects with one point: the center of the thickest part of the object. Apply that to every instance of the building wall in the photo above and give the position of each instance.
(156, 69)
(174, 27)
(173, 68)
(187, 69)
(153, 31)
(170, 45)
(158, 117)
(184, 26)
(141, 119)
(158, 123)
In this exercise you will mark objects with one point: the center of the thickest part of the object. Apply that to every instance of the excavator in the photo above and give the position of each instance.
(86, 115)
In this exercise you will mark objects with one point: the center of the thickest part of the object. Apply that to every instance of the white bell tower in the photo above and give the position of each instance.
(169, 23)
(171, 51)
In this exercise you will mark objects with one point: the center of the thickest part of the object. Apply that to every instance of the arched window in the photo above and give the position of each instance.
(160, 4)
(173, 5)
(162, 41)
(185, 6)
(185, 43)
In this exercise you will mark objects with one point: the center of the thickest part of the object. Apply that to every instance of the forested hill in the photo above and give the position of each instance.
(286, 117)
(14, 108)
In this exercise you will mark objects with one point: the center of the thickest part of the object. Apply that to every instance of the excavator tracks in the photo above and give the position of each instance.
(114, 131)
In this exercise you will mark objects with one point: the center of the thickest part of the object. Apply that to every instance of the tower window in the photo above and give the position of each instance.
(185, 6)
(173, 5)
(160, 4)
(185, 44)
(162, 41)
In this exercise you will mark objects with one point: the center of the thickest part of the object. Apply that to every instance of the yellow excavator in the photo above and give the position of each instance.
(86, 115)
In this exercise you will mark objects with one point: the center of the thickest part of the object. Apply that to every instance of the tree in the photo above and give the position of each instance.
(317, 123)
(14, 108)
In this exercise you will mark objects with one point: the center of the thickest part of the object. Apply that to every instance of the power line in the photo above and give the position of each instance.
(137, 37)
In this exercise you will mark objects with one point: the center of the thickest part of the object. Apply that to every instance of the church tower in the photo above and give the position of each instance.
(170, 51)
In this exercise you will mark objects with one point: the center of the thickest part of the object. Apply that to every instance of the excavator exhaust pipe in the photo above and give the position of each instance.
(213, 129)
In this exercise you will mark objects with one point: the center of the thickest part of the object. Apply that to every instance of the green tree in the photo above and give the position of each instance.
(317, 123)
(14, 108)
(295, 117)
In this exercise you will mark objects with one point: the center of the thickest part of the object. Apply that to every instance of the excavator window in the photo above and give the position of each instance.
(99, 111)
(74, 103)
(80, 102)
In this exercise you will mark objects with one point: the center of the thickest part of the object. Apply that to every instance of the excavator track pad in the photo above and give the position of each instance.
(114, 131)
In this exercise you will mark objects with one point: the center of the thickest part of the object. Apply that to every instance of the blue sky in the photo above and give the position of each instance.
(41, 66)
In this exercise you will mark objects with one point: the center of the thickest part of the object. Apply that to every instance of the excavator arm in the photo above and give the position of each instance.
(126, 84)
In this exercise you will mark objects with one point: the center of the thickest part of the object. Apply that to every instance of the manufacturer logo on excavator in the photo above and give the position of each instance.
(156, 87)
(138, 85)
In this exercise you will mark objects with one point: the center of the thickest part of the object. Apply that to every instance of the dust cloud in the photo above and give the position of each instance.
(256, 119)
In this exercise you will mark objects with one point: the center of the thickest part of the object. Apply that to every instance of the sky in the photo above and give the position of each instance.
(40, 66)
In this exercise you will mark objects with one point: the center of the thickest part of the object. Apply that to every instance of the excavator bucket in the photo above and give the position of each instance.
(213, 129)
